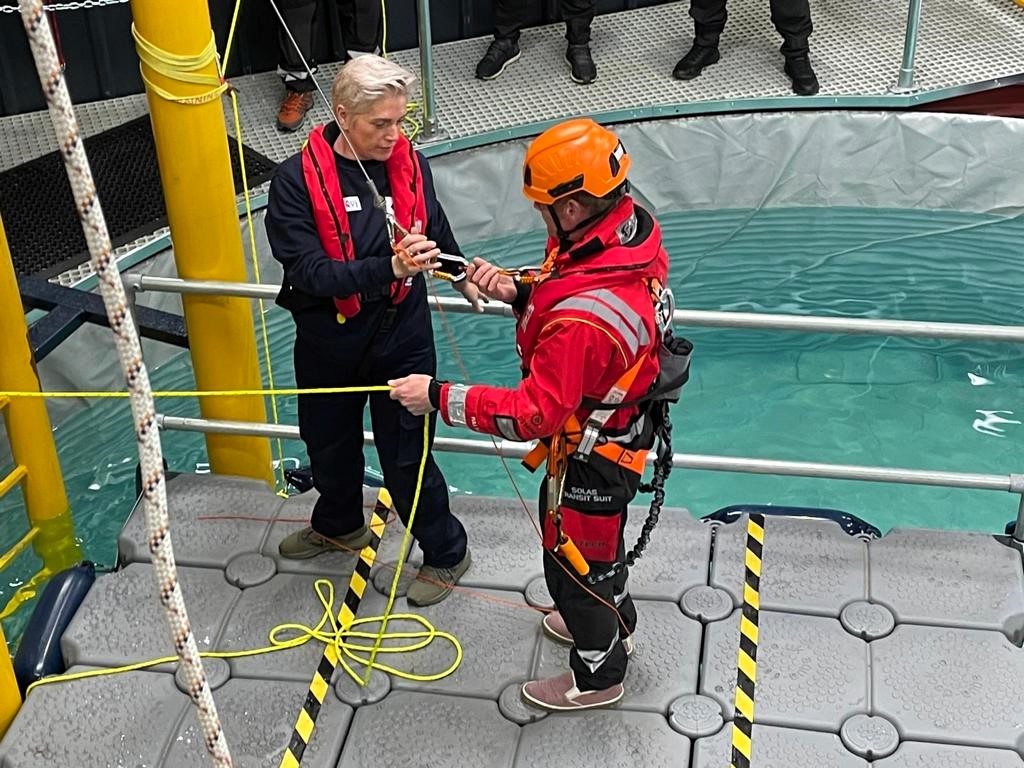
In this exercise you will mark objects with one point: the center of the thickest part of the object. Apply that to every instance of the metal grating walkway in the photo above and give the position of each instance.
(856, 48)
(963, 46)
(894, 653)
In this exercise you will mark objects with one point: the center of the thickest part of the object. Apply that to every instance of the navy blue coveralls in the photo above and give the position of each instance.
(383, 341)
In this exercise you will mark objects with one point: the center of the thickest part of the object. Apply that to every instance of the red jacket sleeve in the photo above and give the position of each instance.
(570, 358)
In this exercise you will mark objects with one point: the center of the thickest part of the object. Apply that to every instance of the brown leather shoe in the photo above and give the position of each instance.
(293, 109)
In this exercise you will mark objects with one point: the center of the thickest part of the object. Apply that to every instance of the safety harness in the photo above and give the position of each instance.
(577, 442)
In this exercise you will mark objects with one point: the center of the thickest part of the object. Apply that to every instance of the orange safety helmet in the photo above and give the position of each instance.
(572, 156)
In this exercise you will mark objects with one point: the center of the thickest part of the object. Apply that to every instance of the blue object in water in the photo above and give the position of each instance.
(39, 650)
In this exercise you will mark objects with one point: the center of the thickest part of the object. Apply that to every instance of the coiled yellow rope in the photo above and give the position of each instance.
(340, 637)
(184, 69)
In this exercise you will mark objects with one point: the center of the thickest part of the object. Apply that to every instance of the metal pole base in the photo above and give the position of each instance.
(905, 85)
(430, 136)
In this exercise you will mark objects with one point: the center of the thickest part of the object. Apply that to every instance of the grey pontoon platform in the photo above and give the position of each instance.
(902, 650)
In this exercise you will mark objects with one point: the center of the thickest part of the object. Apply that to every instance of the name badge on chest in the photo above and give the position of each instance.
(352, 204)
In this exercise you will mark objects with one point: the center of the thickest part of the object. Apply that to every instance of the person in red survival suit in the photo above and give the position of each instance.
(587, 333)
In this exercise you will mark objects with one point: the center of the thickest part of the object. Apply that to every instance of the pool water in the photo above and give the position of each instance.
(914, 403)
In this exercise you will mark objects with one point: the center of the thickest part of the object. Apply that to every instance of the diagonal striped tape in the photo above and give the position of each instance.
(321, 681)
(746, 664)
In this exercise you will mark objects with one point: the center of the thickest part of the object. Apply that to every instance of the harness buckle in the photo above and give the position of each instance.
(591, 434)
(664, 309)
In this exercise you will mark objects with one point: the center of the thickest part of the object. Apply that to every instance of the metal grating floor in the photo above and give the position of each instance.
(856, 49)
(895, 653)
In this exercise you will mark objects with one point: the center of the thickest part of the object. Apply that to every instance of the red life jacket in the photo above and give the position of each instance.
(321, 173)
(609, 284)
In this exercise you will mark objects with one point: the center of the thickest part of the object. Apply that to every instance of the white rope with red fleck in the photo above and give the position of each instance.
(129, 350)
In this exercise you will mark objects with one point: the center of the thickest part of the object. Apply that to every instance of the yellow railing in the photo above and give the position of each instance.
(36, 469)
(17, 475)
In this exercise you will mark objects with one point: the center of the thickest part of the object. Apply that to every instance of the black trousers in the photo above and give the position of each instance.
(332, 428)
(509, 16)
(360, 28)
(792, 18)
(598, 658)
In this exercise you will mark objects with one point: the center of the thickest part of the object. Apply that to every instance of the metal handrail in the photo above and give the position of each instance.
(508, 449)
(1011, 482)
(905, 83)
(684, 317)
(426, 68)
(514, 450)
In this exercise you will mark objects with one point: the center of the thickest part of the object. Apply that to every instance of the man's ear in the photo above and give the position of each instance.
(572, 210)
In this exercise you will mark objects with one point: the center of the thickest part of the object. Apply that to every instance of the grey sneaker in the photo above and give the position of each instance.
(560, 694)
(554, 627)
(307, 543)
(432, 585)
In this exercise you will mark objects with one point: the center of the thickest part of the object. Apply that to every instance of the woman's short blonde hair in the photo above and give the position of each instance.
(367, 79)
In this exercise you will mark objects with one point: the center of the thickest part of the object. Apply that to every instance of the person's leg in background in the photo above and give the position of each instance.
(578, 16)
(504, 48)
(792, 18)
(361, 26)
(709, 17)
(299, 16)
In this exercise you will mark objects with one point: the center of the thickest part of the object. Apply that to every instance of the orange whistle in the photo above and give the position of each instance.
(570, 552)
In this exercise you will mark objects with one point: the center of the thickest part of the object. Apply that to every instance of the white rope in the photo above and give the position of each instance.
(83, 4)
(136, 376)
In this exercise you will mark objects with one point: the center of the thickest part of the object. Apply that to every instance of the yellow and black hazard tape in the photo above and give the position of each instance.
(321, 681)
(746, 665)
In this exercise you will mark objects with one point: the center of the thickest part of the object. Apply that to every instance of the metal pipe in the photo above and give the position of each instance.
(683, 317)
(426, 67)
(1018, 528)
(509, 449)
(906, 84)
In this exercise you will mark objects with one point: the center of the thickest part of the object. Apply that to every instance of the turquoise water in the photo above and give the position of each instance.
(915, 403)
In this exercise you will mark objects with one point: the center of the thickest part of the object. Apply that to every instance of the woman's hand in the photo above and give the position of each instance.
(472, 293)
(414, 253)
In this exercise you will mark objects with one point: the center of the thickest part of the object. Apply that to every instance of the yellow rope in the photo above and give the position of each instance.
(342, 641)
(413, 125)
(340, 638)
(183, 69)
(206, 393)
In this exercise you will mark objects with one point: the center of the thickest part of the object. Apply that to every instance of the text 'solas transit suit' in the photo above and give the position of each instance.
(588, 321)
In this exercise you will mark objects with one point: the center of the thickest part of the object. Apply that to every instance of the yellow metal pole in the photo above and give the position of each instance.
(29, 431)
(192, 149)
(10, 696)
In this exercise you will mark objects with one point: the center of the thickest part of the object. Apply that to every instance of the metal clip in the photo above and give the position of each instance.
(665, 309)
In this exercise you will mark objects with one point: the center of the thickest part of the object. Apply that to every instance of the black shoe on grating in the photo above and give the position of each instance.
(500, 53)
(581, 64)
(804, 81)
(693, 63)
